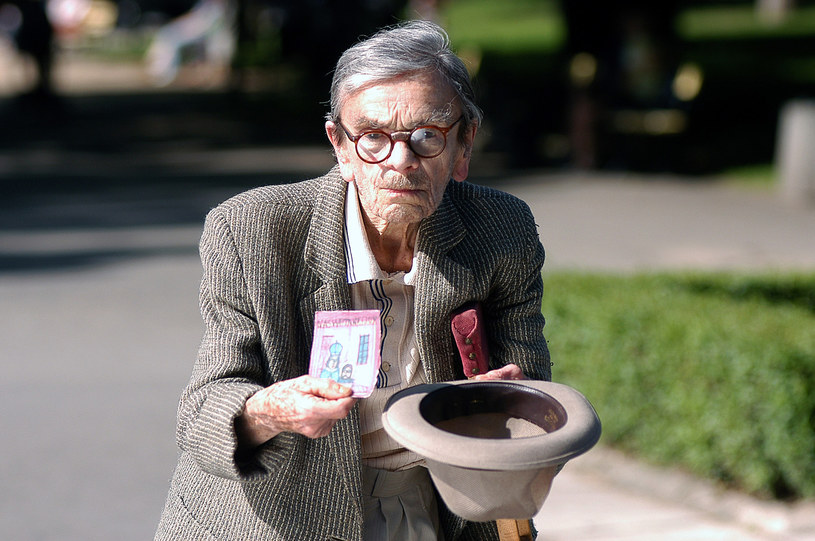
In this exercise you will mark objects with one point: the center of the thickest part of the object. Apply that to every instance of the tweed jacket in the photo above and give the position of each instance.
(273, 256)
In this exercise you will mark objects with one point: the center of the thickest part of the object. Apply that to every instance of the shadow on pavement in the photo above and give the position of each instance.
(75, 260)
(90, 163)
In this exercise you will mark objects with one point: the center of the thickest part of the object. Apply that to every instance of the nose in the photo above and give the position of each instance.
(402, 158)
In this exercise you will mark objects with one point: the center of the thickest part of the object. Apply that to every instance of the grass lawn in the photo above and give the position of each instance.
(714, 373)
(507, 27)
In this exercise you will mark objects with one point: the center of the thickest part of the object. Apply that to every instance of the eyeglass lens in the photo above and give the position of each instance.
(425, 141)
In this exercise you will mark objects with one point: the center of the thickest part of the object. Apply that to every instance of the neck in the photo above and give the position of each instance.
(392, 244)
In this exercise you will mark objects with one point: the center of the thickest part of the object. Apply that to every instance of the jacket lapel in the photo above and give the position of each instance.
(324, 253)
(442, 285)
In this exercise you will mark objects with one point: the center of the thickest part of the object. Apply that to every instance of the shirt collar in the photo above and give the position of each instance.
(362, 264)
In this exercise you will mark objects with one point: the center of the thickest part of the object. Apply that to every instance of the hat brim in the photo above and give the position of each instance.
(557, 423)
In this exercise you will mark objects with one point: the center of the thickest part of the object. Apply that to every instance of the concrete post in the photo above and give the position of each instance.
(795, 153)
(774, 11)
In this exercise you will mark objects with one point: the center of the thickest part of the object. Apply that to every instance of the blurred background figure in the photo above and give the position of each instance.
(25, 24)
(205, 34)
(622, 57)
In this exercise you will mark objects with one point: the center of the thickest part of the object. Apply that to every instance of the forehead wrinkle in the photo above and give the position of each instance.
(439, 116)
(443, 114)
(386, 104)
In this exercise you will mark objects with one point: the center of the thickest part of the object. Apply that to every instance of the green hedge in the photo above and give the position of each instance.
(714, 373)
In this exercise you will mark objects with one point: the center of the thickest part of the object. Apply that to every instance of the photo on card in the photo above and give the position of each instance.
(346, 348)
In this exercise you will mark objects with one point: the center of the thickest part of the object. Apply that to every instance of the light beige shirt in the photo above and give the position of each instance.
(392, 295)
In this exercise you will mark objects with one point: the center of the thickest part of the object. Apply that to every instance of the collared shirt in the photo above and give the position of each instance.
(392, 295)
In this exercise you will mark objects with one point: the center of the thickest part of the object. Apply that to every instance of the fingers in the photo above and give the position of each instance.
(323, 387)
(322, 397)
(305, 405)
(510, 371)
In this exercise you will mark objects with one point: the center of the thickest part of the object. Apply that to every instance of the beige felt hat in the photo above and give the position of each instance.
(488, 444)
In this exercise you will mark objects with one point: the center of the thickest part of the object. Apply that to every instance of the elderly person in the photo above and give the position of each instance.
(269, 452)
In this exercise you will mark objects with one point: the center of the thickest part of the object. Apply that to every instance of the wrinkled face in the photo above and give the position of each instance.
(404, 188)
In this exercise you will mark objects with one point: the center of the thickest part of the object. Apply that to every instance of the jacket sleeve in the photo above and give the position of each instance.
(513, 306)
(230, 367)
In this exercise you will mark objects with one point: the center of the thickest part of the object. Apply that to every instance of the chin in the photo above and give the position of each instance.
(405, 214)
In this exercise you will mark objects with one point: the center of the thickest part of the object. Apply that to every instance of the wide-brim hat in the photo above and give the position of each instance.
(490, 445)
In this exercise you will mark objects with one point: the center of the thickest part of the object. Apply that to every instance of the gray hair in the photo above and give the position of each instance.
(403, 49)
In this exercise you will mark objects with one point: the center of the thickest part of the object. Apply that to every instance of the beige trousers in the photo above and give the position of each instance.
(399, 506)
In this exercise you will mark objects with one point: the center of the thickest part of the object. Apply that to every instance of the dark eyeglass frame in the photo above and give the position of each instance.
(393, 137)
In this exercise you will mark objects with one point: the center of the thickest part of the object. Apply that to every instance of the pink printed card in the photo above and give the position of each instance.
(346, 348)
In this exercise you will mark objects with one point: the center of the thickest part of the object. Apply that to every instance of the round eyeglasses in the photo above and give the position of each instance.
(374, 146)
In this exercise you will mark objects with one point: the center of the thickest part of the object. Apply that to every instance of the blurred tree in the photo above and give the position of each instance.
(33, 35)
(313, 33)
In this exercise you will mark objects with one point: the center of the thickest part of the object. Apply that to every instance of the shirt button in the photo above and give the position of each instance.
(386, 366)
(389, 321)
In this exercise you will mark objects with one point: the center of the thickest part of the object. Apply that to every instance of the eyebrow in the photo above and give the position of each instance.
(366, 123)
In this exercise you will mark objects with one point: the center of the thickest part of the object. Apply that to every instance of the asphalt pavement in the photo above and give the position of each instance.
(98, 282)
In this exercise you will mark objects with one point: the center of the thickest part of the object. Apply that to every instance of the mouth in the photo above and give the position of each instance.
(403, 185)
(400, 193)
(400, 190)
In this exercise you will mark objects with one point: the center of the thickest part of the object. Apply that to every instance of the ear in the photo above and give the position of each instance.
(461, 166)
(341, 150)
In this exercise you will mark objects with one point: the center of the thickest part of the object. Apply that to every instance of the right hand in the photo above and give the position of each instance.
(305, 405)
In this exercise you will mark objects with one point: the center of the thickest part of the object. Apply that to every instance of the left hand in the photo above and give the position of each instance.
(510, 371)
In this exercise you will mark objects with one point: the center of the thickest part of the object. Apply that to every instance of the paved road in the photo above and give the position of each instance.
(635, 222)
(100, 327)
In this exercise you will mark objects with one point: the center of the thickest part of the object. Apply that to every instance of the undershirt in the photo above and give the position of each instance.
(392, 295)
